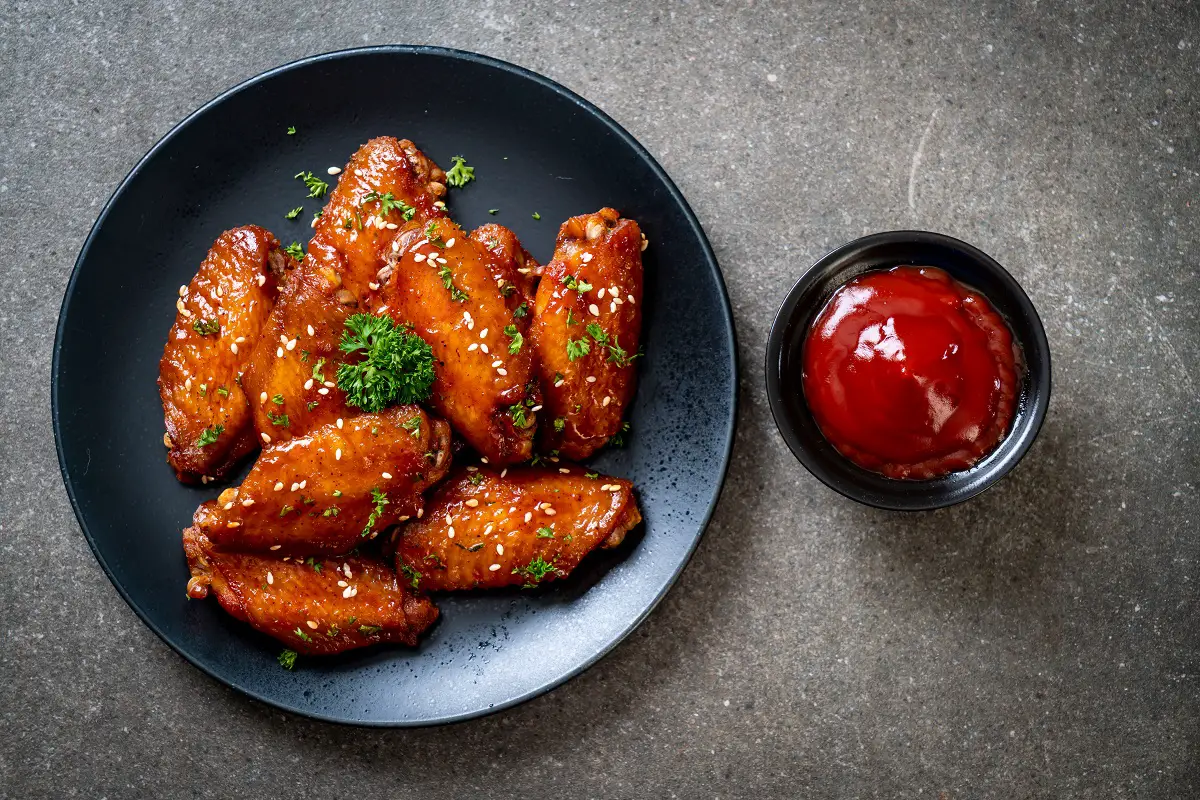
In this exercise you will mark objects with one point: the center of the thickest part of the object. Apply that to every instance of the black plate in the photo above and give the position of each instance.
(536, 147)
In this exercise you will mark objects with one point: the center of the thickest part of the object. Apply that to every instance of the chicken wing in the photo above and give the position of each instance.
(511, 265)
(386, 183)
(219, 318)
(587, 323)
(519, 527)
(335, 487)
(315, 607)
(441, 282)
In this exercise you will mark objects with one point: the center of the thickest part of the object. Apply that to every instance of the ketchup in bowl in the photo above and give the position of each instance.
(911, 374)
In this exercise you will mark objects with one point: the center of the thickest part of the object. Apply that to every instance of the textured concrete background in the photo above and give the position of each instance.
(1039, 641)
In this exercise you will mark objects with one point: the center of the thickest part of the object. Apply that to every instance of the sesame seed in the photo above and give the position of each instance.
(614, 487)
(330, 384)
(524, 270)
(472, 502)
(484, 348)
(262, 279)
(449, 519)
(270, 577)
(387, 476)
(536, 408)
(504, 471)
(631, 300)
(187, 384)
(606, 401)
(391, 226)
(262, 398)
(373, 286)
(618, 301)
(483, 460)
(586, 257)
(343, 584)
(499, 549)
(558, 383)
(564, 470)
(501, 372)
(334, 170)
(450, 532)
(473, 346)
(472, 469)
(249, 501)
(276, 546)
(279, 352)
(528, 516)
(600, 292)
(308, 384)
(450, 242)
(295, 486)
(239, 339)
(396, 247)
(311, 331)
(339, 423)
(591, 378)
(604, 488)
(493, 567)
(348, 592)
(337, 454)
(167, 440)
(219, 294)
(419, 257)
(543, 506)
(554, 459)
(279, 486)
(304, 483)
(497, 363)
(550, 512)
(467, 317)
(283, 338)
(405, 518)
(322, 391)
(439, 204)
(183, 291)
(265, 438)
(594, 310)
(441, 260)
(232, 524)
(346, 570)
(291, 345)
(483, 333)
(228, 506)
(233, 348)
(488, 529)
(420, 513)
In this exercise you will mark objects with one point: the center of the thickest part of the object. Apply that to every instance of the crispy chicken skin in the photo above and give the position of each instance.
(511, 264)
(442, 283)
(529, 526)
(219, 317)
(589, 394)
(317, 493)
(347, 603)
(349, 247)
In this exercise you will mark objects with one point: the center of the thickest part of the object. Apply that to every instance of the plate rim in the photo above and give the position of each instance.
(709, 258)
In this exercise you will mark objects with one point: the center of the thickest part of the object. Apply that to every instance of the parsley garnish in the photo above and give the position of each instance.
(618, 438)
(291, 131)
(537, 569)
(287, 658)
(304, 354)
(317, 374)
(380, 499)
(295, 251)
(475, 547)
(432, 235)
(414, 577)
(206, 327)
(295, 212)
(476, 478)
(280, 420)
(333, 631)
(332, 511)
(571, 317)
(577, 348)
(493, 210)
(277, 399)
(545, 533)
(536, 215)
(519, 418)
(413, 425)
(221, 390)
(209, 435)
(460, 174)
(302, 634)
(387, 203)
(456, 294)
(397, 367)
(521, 311)
(597, 333)
(368, 630)
(618, 356)
(571, 282)
(312, 562)
(203, 389)
(316, 186)
(559, 424)
(511, 332)
(283, 512)
(337, 492)
(592, 475)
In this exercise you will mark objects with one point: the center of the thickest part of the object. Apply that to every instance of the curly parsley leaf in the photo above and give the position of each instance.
(316, 186)
(397, 366)
(460, 174)
(511, 332)
(295, 251)
(209, 435)
(519, 416)
(578, 348)
(287, 659)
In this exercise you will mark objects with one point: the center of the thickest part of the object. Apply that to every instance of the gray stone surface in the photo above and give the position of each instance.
(1040, 641)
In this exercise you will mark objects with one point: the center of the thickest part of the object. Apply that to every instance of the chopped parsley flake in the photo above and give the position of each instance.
(559, 424)
(316, 186)
(460, 174)
(456, 294)
(302, 634)
(380, 499)
(369, 630)
(388, 203)
(279, 420)
(545, 533)
(287, 658)
(536, 570)
(571, 282)
(475, 478)
(618, 438)
(536, 215)
(277, 399)
(332, 511)
(522, 310)
(414, 576)
(291, 131)
(511, 332)
(413, 425)
(209, 435)
(493, 210)
(317, 374)
(577, 348)
(206, 327)
(519, 417)
(295, 251)
(224, 392)
(295, 212)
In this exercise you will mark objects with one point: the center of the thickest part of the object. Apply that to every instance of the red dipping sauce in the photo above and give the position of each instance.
(910, 373)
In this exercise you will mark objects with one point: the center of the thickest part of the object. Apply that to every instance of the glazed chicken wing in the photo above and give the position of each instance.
(386, 183)
(441, 282)
(220, 315)
(333, 488)
(586, 331)
(520, 527)
(512, 266)
(316, 607)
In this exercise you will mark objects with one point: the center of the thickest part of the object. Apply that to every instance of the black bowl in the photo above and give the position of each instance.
(881, 251)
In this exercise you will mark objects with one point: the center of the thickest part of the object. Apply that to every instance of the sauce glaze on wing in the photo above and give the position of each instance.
(319, 607)
(585, 395)
(333, 488)
(441, 282)
(386, 182)
(219, 317)
(511, 265)
(518, 527)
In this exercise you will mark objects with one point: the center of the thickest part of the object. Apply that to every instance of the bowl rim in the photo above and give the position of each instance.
(675, 195)
(1036, 351)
